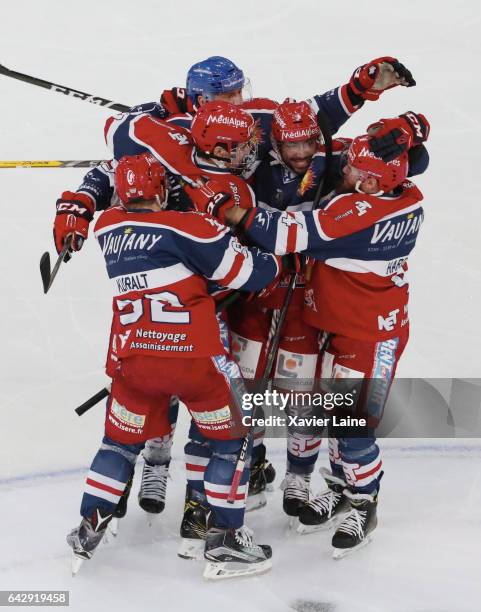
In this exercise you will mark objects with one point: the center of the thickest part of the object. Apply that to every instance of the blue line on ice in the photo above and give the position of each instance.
(424, 448)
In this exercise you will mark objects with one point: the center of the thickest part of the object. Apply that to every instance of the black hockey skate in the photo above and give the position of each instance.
(270, 473)
(232, 552)
(354, 531)
(85, 538)
(193, 529)
(261, 476)
(296, 492)
(325, 509)
(153, 487)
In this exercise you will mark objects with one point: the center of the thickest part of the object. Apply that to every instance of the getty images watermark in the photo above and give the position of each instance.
(288, 403)
(415, 407)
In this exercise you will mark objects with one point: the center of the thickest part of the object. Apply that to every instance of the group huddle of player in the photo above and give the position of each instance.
(209, 201)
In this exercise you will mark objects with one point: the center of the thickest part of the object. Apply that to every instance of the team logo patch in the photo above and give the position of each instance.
(307, 182)
(212, 417)
(126, 416)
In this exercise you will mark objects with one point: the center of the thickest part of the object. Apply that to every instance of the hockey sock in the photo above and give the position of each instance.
(302, 453)
(361, 463)
(217, 482)
(108, 476)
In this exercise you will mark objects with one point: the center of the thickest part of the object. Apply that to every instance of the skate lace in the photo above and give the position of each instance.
(245, 537)
(154, 481)
(354, 522)
(326, 502)
(295, 486)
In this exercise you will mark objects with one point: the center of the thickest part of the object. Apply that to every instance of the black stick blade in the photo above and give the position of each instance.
(45, 270)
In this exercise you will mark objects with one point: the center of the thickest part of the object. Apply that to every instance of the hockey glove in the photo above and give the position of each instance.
(210, 197)
(292, 263)
(391, 137)
(74, 213)
(288, 264)
(370, 80)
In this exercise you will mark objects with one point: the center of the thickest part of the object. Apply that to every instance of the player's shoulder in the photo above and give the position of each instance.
(260, 105)
(198, 226)
(109, 217)
(154, 109)
(146, 124)
(408, 195)
(182, 120)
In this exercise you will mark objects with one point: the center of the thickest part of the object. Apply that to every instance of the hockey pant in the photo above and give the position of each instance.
(252, 328)
(357, 460)
(137, 411)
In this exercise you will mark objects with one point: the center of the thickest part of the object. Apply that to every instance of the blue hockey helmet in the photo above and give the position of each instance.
(212, 76)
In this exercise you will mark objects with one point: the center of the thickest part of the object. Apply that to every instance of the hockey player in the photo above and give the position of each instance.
(288, 180)
(165, 337)
(358, 298)
(224, 136)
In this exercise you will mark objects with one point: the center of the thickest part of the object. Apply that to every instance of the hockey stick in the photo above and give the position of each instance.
(51, 163)
(323, 123)
(95, 399)
(273, 347)
(47, 276)
(62, 89)
(103, 393)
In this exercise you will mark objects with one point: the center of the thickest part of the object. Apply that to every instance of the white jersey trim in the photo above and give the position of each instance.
(386, 268)
(109, 228)
(151, 279)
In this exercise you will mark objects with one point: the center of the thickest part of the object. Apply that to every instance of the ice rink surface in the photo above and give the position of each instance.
(425, 555)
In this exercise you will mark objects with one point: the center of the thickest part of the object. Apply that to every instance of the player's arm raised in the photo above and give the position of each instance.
(367, 82)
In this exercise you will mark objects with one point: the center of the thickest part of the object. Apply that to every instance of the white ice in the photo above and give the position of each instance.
(425, 555)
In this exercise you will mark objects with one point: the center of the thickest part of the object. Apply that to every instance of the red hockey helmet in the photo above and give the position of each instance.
(221, 123)
(294, 121)
(140, 177)
(389, 174)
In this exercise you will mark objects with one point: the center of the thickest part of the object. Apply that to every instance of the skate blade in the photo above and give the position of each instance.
(152, 519)
(107, 539)
(340, 553)
(222, 571)
(192, 549)
(292, 523)
(76, 564)
(114, 527)
(255, 502)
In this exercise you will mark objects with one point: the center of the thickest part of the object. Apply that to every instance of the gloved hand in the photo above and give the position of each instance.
(292, 263)
(74, 213)
(391, 137)
(210, 197)
(370, 80)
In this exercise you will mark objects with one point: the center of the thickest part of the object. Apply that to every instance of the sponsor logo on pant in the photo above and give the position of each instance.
(126, 416)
